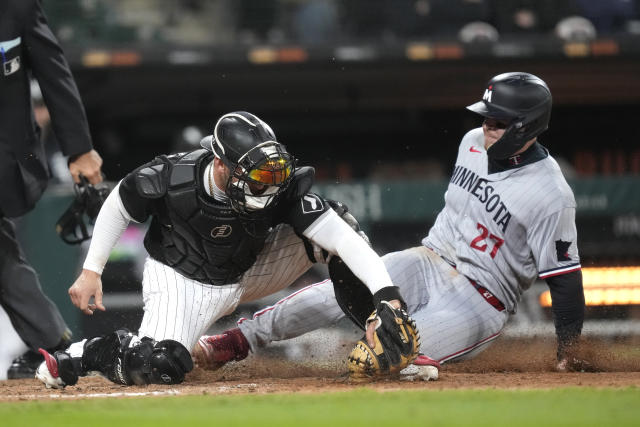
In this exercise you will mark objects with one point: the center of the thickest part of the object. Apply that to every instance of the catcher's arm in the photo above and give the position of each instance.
(110, 224)
(391, 340)
(335, 235)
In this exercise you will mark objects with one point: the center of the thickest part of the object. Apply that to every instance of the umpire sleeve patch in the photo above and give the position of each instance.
(311, 203)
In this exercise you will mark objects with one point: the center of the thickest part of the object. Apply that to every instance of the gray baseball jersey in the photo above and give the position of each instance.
(506, 228)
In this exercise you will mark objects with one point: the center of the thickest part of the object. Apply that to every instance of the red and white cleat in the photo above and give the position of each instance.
(47, 372)
(423, 368)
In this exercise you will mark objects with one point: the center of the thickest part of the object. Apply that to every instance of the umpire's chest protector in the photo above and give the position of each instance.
(201, 238)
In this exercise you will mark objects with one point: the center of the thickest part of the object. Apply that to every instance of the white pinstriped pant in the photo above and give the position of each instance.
(182, 309)
(454, 320)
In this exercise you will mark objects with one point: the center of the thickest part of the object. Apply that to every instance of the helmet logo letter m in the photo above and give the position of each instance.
(487, 95)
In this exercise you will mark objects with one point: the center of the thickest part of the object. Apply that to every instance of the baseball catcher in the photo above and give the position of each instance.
(228, 224)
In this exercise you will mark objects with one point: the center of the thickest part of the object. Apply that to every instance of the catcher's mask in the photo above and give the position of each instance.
(74, 226)
(522, 101)
(260, 167)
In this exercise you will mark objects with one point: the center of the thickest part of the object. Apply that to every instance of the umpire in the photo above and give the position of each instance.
(28, 49)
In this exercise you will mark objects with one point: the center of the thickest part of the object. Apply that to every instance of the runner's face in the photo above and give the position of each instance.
(493, 130)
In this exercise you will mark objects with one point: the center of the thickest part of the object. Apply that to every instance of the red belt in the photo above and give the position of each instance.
(491, 299)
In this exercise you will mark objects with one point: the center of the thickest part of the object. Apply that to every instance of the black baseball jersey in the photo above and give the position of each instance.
(201, 237)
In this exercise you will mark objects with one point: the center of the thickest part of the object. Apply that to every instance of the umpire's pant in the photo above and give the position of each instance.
(34, 316)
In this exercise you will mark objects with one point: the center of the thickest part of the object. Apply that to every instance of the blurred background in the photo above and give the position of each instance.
(371, 93)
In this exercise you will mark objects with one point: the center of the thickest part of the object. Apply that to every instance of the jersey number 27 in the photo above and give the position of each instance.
(479, 243)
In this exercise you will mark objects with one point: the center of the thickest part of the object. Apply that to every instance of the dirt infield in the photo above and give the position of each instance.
(507, 364)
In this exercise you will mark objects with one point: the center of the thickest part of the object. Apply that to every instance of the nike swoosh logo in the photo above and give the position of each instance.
(473, 150)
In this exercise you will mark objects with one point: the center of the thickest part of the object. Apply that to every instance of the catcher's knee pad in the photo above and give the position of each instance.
(125, 359)
(163, 362)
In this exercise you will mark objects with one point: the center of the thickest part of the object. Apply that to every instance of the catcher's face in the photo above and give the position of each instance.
(254, 188)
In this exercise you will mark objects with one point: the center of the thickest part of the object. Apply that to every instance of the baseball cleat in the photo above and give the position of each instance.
(212, 352)
(423, 368)
(47, 372)
(24, 366)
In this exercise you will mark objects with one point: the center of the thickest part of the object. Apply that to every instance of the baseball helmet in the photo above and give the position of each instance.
(261, 168)
(521, 99)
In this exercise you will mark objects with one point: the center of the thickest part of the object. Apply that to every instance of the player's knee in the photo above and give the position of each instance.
(164, 362)
(125, 359)
(170, 361)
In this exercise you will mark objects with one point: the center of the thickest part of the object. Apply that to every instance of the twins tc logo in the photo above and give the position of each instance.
(221, 231)
(487, 94)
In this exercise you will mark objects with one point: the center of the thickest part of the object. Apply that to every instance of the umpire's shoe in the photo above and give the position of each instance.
(25, 365)
(212, 352)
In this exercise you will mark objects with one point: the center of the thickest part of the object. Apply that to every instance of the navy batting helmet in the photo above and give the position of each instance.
(521, 99)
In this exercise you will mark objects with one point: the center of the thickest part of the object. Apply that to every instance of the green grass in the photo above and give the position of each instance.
(362, 407)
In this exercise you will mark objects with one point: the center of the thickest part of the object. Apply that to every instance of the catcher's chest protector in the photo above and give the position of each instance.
(201, 238)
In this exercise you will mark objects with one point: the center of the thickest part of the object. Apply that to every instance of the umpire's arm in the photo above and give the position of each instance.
(59, 89)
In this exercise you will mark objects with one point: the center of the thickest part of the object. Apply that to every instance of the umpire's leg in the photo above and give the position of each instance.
(34, 316)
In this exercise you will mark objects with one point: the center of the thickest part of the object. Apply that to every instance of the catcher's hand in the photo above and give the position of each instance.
(394, 345)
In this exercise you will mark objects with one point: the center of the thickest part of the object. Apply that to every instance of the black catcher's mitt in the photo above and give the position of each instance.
(397, 343)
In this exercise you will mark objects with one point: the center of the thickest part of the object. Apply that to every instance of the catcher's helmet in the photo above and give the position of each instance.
(523, 100)
(261, 168)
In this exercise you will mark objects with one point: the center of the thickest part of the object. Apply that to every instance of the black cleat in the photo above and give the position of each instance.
(25, 365)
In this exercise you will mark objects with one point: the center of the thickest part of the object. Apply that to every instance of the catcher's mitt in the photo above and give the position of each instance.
(397, 343)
